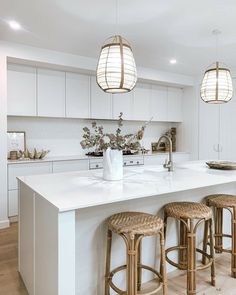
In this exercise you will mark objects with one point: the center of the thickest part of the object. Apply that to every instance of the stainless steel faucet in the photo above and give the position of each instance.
(169, 164)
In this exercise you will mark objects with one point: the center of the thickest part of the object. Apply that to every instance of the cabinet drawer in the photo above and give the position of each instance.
(12, 203)
(72, 165)
(95, 165)
(133, 161)
(16, 170)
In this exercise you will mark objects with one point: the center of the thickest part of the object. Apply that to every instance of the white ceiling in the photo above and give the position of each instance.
(158, 30)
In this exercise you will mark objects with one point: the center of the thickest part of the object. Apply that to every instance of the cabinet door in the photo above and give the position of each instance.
(12, 203)
(123, 103)
(141, 108)
(175, 104)
(77, 95)
(51, 93)
(208, 131)
(21, 90)
(227, 130)
(158, 104)
(15, 170)
(101, 102)
(72, 165)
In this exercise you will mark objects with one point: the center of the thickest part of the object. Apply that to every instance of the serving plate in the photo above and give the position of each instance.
(223, 165)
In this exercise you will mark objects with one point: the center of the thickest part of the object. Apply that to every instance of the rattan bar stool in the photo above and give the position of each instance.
(219, 202)
(191, 215)
(132, 227)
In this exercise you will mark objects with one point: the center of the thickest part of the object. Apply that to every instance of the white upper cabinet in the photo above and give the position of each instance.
(21, 90)
(101, 102)
(77, 95)
(141, 107)
(175, 104)
(51, 93)
(158, 103)
(123, 102)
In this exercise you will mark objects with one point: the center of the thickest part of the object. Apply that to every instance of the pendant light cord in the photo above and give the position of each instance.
(117, 17)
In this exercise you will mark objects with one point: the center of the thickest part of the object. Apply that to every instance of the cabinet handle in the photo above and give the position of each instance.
(124, 163)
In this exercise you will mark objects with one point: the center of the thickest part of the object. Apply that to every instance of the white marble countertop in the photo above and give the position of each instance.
(81, 157)
(75, 190)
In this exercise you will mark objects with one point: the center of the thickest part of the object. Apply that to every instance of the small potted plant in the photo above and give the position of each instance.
(112, 145)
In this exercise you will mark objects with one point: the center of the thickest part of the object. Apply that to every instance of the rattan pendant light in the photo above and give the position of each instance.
(116, 69)
(217, 86)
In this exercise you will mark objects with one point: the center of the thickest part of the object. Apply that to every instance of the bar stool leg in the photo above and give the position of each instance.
(218, 230)
(205, 240)
(163, 262)
(108, 262)
(233, 262)
(132, 263)
(183, 243)
(212, 253)
(191, 253)
(139, 258)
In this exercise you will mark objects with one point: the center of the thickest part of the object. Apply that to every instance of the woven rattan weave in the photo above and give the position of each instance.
(190, 216)
(219, 202)
(132, 227)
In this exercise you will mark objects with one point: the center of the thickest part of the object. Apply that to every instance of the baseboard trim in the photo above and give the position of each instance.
(4, 223)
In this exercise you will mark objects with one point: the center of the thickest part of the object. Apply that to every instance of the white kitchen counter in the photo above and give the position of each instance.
(82, 189)
(62, 221)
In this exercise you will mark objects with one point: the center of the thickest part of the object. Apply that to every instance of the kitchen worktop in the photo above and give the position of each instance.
(76, 190)
(81, 157)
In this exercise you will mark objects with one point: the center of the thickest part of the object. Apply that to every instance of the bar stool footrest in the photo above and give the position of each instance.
(124, 267)
(184, 267)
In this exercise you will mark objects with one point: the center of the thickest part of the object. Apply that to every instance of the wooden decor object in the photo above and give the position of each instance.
(219, 202)
(133, 227)
(222, 165)
(190, 216)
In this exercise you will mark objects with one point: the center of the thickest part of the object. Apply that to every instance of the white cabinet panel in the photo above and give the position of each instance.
(73, 165)
(158, 103)
(15, 170)
(12, 203)
(175, 104)
(51, 93)
(208, 131)
(101, 102)
(123, 102)
(227, 136)
(21, 90)
(77, 95)
(141, 108)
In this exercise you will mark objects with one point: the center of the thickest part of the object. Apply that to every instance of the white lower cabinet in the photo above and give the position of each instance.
(72, 165)
(12, 203)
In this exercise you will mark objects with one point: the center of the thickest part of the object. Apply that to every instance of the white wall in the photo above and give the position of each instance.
(63, 136)
(3, 146)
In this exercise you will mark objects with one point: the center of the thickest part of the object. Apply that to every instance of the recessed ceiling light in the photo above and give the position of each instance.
(14, 25)
(173, 61)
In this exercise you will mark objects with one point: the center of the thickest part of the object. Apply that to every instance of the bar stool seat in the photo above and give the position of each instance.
(135, 223)
(186, 210)
(219, 202)
(132, 227)
(190, 216)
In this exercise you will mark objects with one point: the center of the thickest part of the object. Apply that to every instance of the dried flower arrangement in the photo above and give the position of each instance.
(102, 141)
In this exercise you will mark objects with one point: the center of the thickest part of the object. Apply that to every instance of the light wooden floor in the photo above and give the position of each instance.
(11, 284)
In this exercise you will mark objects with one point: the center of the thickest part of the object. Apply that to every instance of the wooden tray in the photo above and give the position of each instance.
(223, 165)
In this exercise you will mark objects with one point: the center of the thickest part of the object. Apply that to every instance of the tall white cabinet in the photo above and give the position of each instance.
(175, 108)
(142, 96)
(51, 93)
(21, 90)
(159, 103)
(123, 102)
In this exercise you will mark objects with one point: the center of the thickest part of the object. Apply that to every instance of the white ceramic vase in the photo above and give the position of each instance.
(112, 164)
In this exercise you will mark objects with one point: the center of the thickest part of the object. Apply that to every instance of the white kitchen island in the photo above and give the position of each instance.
(62, 228)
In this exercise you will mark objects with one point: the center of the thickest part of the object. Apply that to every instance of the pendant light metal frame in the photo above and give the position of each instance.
(217, 86)
(126, 77)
